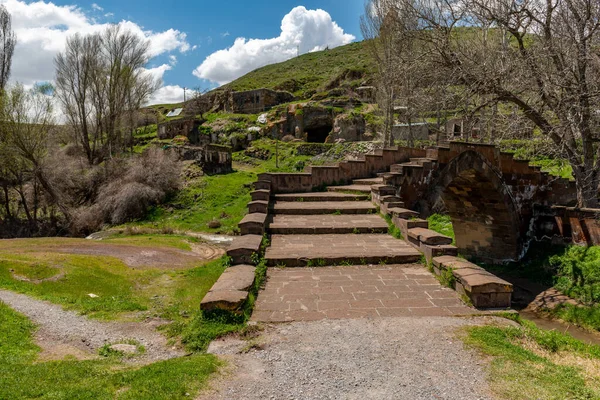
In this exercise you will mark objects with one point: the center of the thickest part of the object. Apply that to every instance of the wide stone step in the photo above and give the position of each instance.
(483, 288)
(321, 250)
(350, 188)
(323, 207)
(320, 196)
(327, 224)
(368, 181)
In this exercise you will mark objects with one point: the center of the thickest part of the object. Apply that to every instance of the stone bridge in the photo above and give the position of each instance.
(497, 204)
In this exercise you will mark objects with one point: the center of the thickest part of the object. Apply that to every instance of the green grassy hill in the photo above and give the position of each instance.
(312, 72)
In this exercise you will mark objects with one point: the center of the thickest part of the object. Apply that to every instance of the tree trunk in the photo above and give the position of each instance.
(587, 183)
(7, 202)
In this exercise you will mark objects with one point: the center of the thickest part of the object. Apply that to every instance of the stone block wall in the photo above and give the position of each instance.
(344, 172)
(213, 159)
(255, 101)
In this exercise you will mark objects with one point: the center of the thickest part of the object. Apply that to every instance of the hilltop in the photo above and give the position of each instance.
(314, 72)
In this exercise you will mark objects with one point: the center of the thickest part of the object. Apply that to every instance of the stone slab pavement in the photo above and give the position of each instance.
(310, 294)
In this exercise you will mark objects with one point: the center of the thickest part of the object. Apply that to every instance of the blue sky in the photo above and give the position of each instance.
(193, 41)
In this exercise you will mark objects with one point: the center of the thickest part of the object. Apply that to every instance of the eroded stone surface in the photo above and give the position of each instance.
(242, 248)
(240, 277)
(354, 292)
(230, 300)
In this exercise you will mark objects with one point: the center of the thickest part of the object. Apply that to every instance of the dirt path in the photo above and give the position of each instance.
(64, 333)
(383, 358)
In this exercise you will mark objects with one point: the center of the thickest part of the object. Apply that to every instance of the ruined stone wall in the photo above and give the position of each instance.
(213, 159)
(344, 172)
(255, 101)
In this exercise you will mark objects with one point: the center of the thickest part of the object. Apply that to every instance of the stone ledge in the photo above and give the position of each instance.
(405, 224)
(253, 224)
(432, 252)
(383, 190)
(483, 288)
(258, 207)
(429, 237)
(262, 185)
(230, 300)
(243, 247)
(261, 195)
(402, 213)
(240, 277)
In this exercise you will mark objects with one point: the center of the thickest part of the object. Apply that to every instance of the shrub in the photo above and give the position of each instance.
(578, 273)
(129, 191)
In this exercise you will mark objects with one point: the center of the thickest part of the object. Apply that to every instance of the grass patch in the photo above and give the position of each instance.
(149, 240)
(309, 73)
(442, 224)
(68, 279)
(23, 378)
(393, 230)
(222, 198)
(532, 363)
(106, 277)
(585, 317)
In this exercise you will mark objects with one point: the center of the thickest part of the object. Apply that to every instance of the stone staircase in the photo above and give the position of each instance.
(341, 226)
(336, 227)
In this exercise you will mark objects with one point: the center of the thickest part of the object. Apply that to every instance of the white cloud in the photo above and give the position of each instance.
(43, 27)
(158, 72)
(225, 34)
(169, 94)
(97, 7)
(310, 30)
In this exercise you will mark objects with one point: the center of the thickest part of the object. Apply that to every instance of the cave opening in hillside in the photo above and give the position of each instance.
(318, 134)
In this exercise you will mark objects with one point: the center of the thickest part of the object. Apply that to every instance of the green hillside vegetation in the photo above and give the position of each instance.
(310, 73)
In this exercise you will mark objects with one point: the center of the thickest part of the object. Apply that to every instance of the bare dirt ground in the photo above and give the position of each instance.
(64, 333)
(137, 257)
(140, 257)
(381, 358)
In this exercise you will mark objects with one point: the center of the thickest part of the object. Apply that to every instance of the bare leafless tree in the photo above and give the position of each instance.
(391, 28)
(100, 80)
(8, 40)
(539, 55)
(378, 26)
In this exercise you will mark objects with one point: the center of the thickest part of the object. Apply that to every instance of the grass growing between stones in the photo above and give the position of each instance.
(393, 230)
(21, 377)
(530, 363)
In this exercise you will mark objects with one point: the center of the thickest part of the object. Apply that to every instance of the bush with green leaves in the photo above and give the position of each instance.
(578, 273)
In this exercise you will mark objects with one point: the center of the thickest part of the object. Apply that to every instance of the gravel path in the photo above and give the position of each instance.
(63, 333)
(384, 358)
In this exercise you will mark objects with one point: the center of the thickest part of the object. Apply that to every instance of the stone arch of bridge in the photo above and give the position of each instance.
(484, 214)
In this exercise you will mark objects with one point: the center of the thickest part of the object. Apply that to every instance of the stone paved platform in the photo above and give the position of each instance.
(292, 250)
(351, 188)
(323, 207)
(327, 224)
(320, 196)
(354, 292)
